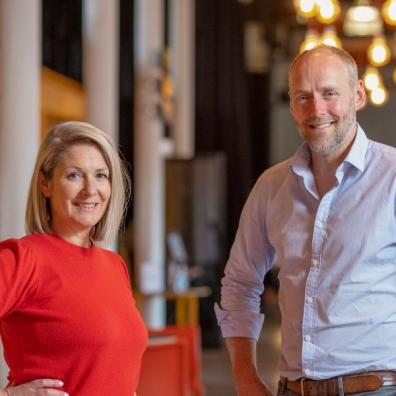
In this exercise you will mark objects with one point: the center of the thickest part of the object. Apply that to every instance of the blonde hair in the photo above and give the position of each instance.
(59, 140)
(344, 56)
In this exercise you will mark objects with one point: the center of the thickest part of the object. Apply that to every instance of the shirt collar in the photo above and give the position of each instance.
(299, 163)
(358, 151)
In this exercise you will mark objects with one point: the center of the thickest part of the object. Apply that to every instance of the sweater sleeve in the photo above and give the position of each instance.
(126, 273)
(18, 275)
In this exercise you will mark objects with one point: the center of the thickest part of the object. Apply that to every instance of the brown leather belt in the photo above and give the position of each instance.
(354, 383)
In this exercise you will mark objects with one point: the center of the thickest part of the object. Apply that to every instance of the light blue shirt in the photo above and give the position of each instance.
(337, 259)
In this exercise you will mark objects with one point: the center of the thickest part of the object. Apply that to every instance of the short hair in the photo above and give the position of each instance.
(344, 56)
(55, 144)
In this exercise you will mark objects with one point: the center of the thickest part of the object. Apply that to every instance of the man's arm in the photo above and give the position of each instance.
(242, 352)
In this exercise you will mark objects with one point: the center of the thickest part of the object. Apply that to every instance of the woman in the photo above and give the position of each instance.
(68, 320)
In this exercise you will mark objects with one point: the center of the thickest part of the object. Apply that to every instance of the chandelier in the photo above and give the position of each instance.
(330, 23)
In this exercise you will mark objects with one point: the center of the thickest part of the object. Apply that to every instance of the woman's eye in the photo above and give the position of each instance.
(73, 175)
(102, 176)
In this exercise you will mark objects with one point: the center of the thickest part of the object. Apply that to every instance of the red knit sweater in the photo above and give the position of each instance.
(68, 313)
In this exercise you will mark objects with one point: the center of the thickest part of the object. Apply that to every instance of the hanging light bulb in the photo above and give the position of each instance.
(305, 8)
(328, 11)
(329, 37)
(311, 40)
(379, 96)
(389, 12)
(362, 19)
(378, 52)
(371, 78)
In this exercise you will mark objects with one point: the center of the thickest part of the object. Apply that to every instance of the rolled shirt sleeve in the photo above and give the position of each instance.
(251, 258)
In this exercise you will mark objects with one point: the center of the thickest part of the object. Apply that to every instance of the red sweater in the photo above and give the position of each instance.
(67, 312)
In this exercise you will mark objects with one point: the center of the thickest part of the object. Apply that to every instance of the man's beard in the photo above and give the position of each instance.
(331, 144)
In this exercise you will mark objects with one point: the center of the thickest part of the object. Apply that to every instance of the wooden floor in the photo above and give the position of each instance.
(216, 371)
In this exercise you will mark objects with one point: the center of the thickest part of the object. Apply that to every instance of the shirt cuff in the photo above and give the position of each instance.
(239, 323)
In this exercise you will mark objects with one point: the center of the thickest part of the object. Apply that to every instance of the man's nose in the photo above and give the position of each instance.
(318, 106)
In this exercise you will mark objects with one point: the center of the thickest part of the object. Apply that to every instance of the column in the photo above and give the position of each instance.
(20, 61)
(148, 168)
(100, 63)
(183, 73)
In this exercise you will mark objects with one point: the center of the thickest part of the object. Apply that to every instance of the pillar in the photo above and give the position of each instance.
(149, 197)
(100, 63)
(182, 43)
(20, 62)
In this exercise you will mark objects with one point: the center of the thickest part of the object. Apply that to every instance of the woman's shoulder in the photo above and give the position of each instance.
(18, 253)
(16, 243)
(113, 257)
(108, 254)
(34, 244)
(21, 250)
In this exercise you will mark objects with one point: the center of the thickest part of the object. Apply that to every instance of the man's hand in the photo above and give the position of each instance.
(244, 369)
(39, 387)
(248, 383)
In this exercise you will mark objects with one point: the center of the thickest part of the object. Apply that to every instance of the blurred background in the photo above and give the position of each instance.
(195, 94)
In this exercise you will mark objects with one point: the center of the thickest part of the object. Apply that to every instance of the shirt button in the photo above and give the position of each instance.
(307, 338)
(307, 371)
(315, 262)
(309, 300)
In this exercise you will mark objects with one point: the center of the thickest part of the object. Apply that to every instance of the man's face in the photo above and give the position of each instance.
(323, 102)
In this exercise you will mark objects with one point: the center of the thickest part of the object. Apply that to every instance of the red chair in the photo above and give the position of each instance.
(191, 335)
(164, 368)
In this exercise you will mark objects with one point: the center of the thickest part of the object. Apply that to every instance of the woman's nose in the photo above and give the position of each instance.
(89, 187)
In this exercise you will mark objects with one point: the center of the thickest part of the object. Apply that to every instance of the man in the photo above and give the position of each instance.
(326, 216)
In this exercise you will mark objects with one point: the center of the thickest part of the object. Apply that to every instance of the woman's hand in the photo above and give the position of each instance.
(39, 387)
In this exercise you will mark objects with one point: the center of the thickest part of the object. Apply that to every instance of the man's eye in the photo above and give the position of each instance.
(331, 93)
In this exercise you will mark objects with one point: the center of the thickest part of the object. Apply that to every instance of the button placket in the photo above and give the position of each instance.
(309, 316)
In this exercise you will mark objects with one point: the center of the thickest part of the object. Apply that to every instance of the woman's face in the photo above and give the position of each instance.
(79, 191)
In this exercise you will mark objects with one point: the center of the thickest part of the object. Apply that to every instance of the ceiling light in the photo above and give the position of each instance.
(378, 52)
(363, 19)
(329, 37)
(328, 11)
(389, 12)
(379, 96)
(305, 8)
(371, 78)
(311, 40)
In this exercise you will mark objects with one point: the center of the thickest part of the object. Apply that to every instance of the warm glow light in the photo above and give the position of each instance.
(378, 52)
(329, 37)
(371, 78)
(394, 75)
(307, 5)
(362, 19)
(311, 40)
(389, 12)
(305, 8)
(379, 96)
(364, 13)
(328, 11)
